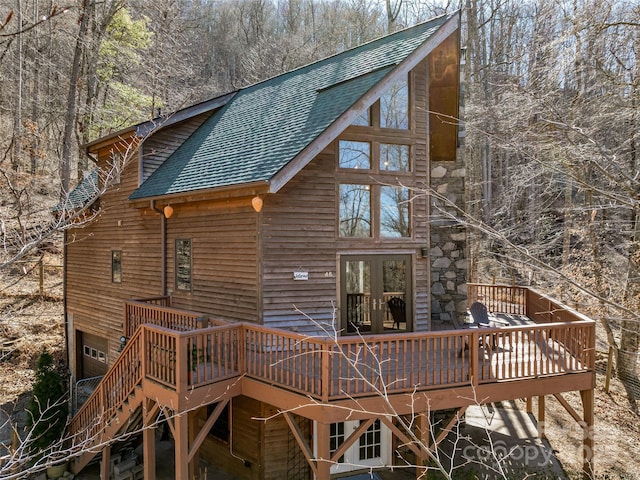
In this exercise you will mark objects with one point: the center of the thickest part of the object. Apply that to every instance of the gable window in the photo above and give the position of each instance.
(390, 220)
(183, 264)
(116, 266)
(356, 155)
(355, 211)
(394, 106)
(394, 158)
(382, 157)
(364, 119)
(394, 212)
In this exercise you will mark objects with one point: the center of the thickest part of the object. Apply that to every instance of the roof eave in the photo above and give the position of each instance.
(144, 129)
(281, 178)
(228, 191)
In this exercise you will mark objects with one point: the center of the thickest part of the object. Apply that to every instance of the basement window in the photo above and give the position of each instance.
(183, 264)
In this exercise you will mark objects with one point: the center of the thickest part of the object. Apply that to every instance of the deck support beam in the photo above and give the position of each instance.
(105, 463)
(588, 401)
(181, 438)
(149, 409)
(423, 425)
(541, 417)
(323, 460)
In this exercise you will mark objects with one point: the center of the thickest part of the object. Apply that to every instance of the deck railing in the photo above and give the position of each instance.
(499, 298)
(353, 366)
(181, 360)
(138, 312)
(517, 300)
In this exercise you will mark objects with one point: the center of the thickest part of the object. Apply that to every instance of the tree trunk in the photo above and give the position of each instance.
(35, 105)
(17, 118)
(70, 116)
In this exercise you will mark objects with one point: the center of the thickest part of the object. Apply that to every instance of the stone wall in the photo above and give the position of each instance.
(448, 242)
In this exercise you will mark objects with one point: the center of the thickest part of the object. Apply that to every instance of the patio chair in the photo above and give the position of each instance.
(479, 314)
(398, 310)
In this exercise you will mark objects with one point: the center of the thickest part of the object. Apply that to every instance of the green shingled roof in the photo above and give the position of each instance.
(267, 124)
(81, 195)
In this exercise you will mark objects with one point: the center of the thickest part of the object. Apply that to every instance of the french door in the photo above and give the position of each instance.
(372, 449)
(375, 293)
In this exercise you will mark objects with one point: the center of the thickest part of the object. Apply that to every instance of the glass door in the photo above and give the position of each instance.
(372, 449)
(375, 293)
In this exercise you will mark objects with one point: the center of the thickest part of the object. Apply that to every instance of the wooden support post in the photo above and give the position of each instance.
(423, 425)
(193, 429)
(323, 453)
(105, 463)
(609, 367)
(41, 275)
(541, 418)
(588, 400)
(148, 441)
(181, 440)
(529, 405)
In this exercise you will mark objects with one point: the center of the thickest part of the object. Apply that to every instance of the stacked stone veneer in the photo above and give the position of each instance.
(448, 243)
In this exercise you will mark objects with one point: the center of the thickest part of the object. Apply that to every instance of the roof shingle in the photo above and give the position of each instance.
(267, 124)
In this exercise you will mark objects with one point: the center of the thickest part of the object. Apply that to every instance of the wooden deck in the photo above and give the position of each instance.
(546, 349)
(544, 338)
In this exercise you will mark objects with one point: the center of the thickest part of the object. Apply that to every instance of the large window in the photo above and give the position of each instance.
(370, 442)
(389, 157)
(355, 211)
(355, 155)
(183, 264)
(116, 266)
(391, 218)
(394, 106)
(390, 111)
(336, 438)
(394, 158)
(394, 212)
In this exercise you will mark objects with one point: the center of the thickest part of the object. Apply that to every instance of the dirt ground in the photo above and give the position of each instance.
(30, 322)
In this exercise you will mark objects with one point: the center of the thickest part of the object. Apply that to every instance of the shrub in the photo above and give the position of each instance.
(48, 408)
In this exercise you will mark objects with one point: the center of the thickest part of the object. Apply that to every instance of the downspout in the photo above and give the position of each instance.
(163, 247)
(67, 335)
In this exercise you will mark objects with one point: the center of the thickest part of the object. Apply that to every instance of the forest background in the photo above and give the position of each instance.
(551, 126)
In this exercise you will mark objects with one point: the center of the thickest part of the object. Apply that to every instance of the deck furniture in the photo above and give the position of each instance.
(398, 309)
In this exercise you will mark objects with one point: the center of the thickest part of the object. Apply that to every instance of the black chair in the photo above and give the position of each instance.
(398, 310)
(479, 314)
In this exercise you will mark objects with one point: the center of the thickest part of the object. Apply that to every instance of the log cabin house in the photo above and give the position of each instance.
(268, 270)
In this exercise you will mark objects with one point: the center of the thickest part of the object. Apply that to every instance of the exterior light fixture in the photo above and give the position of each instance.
(168, 211)
(123, 342)
(256, 203)
(424, 252)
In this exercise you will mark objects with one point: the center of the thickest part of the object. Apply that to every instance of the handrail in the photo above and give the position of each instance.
(116, 386)
(138, 312)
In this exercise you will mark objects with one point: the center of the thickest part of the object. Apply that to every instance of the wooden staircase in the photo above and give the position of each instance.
(114, 409)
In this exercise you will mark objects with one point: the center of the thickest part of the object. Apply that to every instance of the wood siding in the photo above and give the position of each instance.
(95, 302)
(224, 260)
(258, 448)
(241, 456)
(299, 229)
